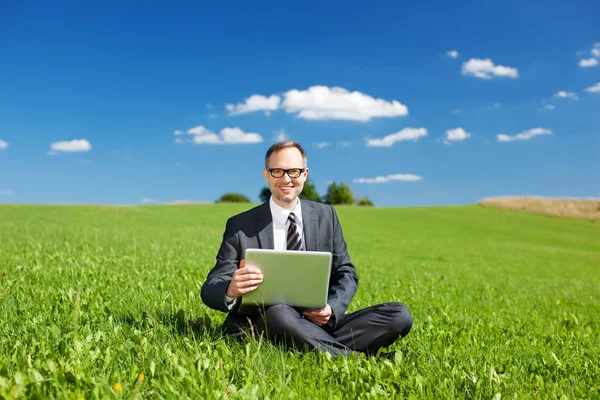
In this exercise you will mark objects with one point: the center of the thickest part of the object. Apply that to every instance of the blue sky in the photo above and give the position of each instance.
(410, 103)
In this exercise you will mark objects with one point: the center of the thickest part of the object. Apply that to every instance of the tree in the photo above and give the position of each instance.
(233, 198)
(364, 201)
(339, 194)
(309, 192)
(264, 195)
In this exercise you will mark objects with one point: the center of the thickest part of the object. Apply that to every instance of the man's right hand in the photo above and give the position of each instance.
(245, 279)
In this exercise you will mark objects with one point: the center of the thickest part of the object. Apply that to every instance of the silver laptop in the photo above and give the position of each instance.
(297, 278)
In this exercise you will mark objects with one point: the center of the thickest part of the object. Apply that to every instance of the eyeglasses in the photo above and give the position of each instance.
(292, 173)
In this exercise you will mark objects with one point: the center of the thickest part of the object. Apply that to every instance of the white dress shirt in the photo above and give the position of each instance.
(281, 225)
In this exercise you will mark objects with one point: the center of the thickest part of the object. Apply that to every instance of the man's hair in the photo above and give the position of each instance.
(277, 147)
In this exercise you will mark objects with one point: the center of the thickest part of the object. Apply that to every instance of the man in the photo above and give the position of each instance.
(286, 223)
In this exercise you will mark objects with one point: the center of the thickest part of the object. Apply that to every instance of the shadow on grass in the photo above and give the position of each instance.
(175, 322)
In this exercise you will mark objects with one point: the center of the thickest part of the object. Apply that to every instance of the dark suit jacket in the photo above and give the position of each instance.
(253, 229)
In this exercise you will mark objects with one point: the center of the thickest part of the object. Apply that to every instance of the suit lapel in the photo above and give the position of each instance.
(311, 226)
(264, 227)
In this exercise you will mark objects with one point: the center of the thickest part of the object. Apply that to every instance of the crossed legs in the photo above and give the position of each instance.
(364, 331)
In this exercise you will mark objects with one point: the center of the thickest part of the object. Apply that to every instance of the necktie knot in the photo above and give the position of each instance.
(292, 218)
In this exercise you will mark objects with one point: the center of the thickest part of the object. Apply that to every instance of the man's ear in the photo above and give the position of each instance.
(306, 173)
(266, 174)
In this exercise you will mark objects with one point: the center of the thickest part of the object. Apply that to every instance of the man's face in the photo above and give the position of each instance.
(285, 190)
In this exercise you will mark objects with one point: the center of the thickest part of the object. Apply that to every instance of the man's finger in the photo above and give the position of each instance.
(242, 263)
(249, 277)
(249, 283)
(248, 289)
(249, 269)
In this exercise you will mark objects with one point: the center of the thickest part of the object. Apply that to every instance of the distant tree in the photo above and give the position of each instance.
(339, 194)
(233, 198)
(364, 201)
(309, 192)
(264, 195)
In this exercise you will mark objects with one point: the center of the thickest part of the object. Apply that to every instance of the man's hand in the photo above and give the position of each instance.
(318, 317)
(245, 279)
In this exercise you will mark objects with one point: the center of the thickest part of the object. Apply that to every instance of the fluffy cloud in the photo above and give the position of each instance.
(588, 62)
(388, 178)
(529, 134)
(323, 103)
(404, 134)
(3, 144)
(254, 103)
(596, 51)
(486, 69)
(201, 135)
(594, 88)
(280, 136)
(457, 134)
(72, 146)
(452, 53)
(566, 95)
(321, 145)
(148, 201)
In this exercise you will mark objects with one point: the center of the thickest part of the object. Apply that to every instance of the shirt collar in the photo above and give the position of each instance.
(281, 214)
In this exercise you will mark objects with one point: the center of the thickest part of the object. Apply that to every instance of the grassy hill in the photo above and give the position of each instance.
(504, 304)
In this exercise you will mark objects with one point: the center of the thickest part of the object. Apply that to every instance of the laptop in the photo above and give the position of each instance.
(297, 278)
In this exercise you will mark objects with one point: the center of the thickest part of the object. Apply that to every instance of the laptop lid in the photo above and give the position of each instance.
(297, 278)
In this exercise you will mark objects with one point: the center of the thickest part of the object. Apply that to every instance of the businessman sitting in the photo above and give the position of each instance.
(287, 223)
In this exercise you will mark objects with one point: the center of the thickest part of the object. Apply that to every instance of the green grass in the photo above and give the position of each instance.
(504, 303)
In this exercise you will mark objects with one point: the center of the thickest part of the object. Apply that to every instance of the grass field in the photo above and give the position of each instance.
(96, 303)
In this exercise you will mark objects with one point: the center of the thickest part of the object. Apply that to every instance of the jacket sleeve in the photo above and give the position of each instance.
(343, 281)
(228, 259)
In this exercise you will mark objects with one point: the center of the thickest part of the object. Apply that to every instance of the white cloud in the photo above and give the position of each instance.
(457, 134)
(280, 136)
(201, 135)
(389, 178)
(596, 51)
(452, 53)
(566, 95)
(3, 144)
(322, 102)
(321, 145)
(549, 107)
(404, 134)
(256, 102)
(7, 192)
(345, 144)
(594, 88)
(588, 62)
(72, 146)
(529, 134)
(486, 69)
(236, 135)
(148, 201)
(179, 133)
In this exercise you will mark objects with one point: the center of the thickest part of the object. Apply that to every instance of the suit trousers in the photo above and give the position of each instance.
(364, 331)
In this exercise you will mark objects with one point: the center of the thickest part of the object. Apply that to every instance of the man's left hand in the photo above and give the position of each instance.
(318, 317)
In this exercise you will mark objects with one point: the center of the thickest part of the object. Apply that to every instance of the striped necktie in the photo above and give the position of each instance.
(294, 241)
